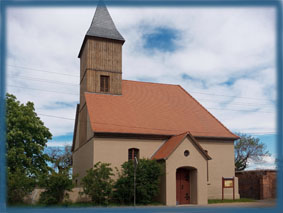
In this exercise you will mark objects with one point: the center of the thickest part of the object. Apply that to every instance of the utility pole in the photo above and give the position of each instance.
(135, 171)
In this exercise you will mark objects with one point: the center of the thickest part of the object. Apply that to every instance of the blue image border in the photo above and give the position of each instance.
(277, 4)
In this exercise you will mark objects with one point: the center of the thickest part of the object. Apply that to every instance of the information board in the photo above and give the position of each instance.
(228, 183)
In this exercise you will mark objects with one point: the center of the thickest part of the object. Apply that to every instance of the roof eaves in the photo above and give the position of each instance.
(215, 137)
(92, 36)
(158, 150)
(99, 134)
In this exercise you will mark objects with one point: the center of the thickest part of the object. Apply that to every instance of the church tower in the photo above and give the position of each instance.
(100, 64)
(101, 56)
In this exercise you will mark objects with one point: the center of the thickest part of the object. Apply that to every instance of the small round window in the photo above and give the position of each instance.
(186, 153)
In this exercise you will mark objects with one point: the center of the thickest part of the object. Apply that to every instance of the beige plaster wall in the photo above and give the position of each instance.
(76, 195)
(115, 151)
(198, 178)
(193, 185)
(82, 160)
(221, 165)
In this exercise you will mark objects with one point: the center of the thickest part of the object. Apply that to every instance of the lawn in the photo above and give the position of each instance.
(231, 201)
(81, 204)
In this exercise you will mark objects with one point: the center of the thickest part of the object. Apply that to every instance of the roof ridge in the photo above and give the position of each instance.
(181, 140)
(147, 82)
(207, 111)
(187, 132)
(199, 146)
(177, 145)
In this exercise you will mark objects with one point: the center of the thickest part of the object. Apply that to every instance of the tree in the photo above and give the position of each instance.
(148, 173)
(61, 158)
(248, 148)
(25, 142)
(98, 183)
(58, 182)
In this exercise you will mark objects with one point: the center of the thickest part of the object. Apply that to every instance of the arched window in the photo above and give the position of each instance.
(132, 153)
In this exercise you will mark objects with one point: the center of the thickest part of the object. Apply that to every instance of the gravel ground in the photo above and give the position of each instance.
(256, 204)
(210, 208)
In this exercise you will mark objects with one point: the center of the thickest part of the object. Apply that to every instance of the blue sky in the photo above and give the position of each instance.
(161, 39)
(224, 57)
(269, 140)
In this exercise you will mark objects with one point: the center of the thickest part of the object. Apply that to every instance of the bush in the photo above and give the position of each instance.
(98, 183)
(19, 185)
(148, 174)
(56, 185)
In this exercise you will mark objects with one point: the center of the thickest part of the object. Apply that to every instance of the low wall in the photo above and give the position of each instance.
(74, 196)
(257, 184)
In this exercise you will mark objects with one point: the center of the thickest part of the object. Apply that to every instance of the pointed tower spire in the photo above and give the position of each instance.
(102, 26)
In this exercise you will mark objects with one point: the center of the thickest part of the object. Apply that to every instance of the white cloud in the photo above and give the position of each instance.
(59, 143)
(217, 45)
(268, 162)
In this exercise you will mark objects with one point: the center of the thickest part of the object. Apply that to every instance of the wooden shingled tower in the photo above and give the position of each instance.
(100, 61)
(101, 56)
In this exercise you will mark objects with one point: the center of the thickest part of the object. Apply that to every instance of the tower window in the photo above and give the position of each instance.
(132, 153)
(104, 83)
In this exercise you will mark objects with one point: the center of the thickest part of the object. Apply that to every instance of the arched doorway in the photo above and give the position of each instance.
(185, 185)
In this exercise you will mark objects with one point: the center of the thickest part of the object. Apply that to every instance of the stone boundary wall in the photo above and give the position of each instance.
(257, 184)
(74, 196)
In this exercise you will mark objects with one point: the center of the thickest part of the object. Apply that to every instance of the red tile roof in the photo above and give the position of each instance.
(172, 143)
(152, 108)
(169, 146)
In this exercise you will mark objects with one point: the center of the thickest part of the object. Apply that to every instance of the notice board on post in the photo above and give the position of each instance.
(228, 183)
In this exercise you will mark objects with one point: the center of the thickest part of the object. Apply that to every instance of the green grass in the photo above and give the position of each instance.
(231, 201)
(81, 204)
(89, 204)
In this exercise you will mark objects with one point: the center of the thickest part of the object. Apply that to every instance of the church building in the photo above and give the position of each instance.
(117, 120)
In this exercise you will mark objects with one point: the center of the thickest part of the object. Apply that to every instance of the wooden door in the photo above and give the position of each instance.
(182, 186)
